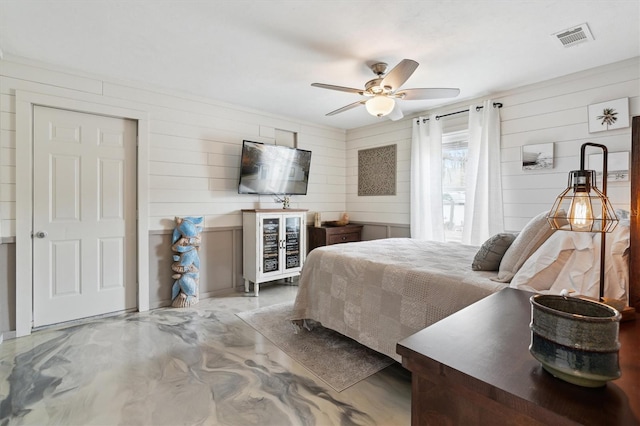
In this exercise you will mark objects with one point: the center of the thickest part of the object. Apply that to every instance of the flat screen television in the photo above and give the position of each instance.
(273, 169)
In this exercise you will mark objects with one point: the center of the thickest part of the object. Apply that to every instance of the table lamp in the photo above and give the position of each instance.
(582, 207)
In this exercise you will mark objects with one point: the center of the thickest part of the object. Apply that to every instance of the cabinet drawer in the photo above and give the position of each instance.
(343, 238)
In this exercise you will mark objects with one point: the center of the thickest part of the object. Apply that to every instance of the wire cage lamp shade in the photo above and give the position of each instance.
(582, 207)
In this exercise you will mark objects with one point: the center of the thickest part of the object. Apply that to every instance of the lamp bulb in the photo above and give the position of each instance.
(580, 212)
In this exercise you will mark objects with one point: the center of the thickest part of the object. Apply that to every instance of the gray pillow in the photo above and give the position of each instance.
(490, 254)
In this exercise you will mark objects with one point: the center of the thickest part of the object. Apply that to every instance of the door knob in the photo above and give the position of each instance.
(41, 234)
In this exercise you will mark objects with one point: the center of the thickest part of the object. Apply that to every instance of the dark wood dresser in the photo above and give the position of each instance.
(328, 235)
(474, 368)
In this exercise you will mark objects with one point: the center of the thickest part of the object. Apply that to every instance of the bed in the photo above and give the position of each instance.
(379, 292)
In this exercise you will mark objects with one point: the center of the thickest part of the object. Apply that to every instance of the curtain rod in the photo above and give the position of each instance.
(478, 108)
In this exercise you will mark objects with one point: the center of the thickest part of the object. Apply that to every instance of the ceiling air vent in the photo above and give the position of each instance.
(576, 35)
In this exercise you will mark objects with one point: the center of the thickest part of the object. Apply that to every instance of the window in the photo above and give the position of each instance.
(454, 163)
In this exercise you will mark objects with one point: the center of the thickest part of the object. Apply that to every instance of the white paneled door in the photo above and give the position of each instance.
(84, 215)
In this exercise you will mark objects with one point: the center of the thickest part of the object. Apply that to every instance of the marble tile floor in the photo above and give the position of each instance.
(195, 366)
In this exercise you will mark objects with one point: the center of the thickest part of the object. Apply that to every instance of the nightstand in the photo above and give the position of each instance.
(474, 368)
(328, 235)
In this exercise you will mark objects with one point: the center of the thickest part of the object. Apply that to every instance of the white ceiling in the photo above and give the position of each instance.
(265, 54)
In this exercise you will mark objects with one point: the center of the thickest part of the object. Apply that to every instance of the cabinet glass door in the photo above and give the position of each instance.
(292, 242)
(270, 245)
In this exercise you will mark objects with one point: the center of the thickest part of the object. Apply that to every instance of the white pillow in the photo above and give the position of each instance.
(617, 262)
(528, 240)
(571, 260)
(563, 256)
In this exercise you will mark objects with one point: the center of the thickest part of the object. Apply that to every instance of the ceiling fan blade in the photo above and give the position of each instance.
(399, 74)
(346, 108)
(432, 93)
(396, 114)
(340, 88)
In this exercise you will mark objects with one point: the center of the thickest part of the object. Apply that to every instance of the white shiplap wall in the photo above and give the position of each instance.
(550, 111)
(194, 147)
(392, 209)
(195, 144)
(556, 111)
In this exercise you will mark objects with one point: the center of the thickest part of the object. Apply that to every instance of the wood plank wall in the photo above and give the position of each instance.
(195, 146)
(550, 111)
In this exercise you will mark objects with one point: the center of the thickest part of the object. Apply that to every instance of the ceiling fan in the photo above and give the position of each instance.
(383, 90)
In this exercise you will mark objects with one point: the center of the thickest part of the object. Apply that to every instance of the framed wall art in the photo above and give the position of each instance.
(377, 171)
(539, 156)
(617, 166)
(609, 115)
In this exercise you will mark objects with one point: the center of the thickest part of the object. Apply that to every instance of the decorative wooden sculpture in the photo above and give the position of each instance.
(186, 242)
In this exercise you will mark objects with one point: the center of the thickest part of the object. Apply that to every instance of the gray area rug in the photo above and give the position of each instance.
(335, 359)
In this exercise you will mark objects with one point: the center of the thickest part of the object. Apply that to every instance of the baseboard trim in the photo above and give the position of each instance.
(7, 335)
(166, 303)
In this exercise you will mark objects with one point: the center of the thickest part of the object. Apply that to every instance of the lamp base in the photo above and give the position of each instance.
(628, 314)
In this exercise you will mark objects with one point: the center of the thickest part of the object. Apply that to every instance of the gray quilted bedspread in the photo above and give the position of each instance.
(379, 292)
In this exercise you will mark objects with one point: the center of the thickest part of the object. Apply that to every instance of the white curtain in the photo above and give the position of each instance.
(483, 213)
(427, 222)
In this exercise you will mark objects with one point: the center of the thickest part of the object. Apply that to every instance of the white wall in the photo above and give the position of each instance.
(551, 111)
(194, 143)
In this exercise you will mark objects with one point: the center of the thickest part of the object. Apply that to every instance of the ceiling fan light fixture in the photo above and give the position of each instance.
(380, 93)
(380, 105)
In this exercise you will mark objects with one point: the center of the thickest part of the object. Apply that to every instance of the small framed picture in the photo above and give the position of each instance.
(617, 166)
(609, 115)
(538, 156)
